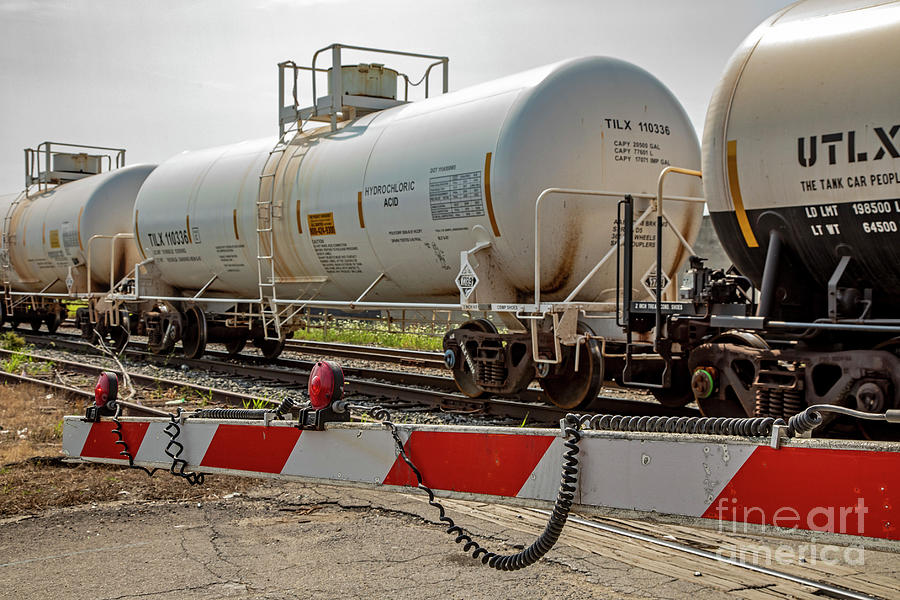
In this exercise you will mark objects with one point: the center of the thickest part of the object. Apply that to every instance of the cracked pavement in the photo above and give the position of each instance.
(289, 540)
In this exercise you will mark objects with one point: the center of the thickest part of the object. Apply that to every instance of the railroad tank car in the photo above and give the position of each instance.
(403, 191)
(800, 172)
(49, 231)
(801, 139)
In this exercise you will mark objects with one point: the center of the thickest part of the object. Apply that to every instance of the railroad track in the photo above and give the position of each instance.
(719, 560)
(413, 358)
(377, 384)
(205, 393)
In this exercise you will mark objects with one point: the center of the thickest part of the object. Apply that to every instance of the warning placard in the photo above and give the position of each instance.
(466, 280)
(649, 281)
(321, 224)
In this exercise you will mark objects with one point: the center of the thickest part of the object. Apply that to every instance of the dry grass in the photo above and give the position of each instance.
(33, 476)
(32, 421)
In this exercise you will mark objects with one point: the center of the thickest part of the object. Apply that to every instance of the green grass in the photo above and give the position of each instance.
(256, 403)
(73, 306)
(18, 362)
(415, 337)
(11, 341)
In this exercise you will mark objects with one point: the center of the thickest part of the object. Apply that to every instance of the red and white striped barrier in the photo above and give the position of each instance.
(828, 487)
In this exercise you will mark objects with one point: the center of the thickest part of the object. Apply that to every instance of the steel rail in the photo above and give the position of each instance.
(217, 394)
(371, 353)
(427, 390)
(827, 589)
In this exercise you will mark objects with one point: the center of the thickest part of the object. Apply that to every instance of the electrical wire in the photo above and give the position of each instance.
(545, 541)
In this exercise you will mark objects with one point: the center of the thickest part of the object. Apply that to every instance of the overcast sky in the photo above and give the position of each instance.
(159, 77)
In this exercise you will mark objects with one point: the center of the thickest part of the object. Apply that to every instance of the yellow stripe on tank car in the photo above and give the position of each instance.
(137, 235)
(234, 223)
(80, 246)
(362, 220)
(299, 220)
(187, 220)
(735, 187)
(487, 194)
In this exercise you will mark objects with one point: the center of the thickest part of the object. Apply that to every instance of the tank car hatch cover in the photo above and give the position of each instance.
(467, 280)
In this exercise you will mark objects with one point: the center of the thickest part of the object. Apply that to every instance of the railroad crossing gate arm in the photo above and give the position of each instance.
(848, 492)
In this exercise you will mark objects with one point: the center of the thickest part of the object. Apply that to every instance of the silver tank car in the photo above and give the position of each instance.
(403, 191)
(801, 139)
(50, 231)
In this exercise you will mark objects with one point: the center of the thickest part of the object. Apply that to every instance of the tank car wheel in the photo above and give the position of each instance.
(270, 348)
(569, 389)
(53, 321)
(14, 323)
(193, 339)
(680, 394)
(235, 345)
(878, 430)
(162, 348)
(730, 407)
(120, 334)
(463, 377)
(36, 322)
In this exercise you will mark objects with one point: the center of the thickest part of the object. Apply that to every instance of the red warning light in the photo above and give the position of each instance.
(326, 384)
(107, 389)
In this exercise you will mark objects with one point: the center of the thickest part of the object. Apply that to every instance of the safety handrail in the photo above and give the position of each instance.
(45, 151)
(602, 193)
(336, 64)
(660, 215)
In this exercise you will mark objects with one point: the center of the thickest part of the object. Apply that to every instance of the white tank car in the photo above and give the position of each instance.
(405, 190)
(50, 231)
(803, 137)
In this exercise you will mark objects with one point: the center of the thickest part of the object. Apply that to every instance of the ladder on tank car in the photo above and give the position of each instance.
(265, 242)
(269, 209)
(6, 241)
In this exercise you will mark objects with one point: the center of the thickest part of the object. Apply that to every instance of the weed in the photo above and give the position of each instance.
(16, 363)
(379, 333)
(39, 366)
(11, 341)
(205, 398)
(256, 403)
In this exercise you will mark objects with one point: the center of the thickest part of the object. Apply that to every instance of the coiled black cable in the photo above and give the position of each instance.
(804, 421)
(246, 413)
(120, 441)
(811, 418)
(284, 408)
(545, 541)
(232, 413)
(173, 430)
(744, 426)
